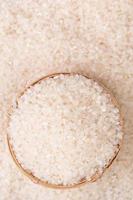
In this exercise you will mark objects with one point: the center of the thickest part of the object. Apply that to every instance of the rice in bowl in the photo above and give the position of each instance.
(65, 129)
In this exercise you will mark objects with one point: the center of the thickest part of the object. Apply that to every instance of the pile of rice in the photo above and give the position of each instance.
(64, 129)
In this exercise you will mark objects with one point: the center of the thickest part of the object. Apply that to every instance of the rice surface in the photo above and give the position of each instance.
(65, 128)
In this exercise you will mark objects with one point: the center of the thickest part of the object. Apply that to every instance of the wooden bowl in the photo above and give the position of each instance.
(83, 181)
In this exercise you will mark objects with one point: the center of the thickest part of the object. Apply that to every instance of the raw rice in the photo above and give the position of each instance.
(65, 128)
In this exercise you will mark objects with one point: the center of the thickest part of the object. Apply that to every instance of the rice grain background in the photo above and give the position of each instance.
(94, 37)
